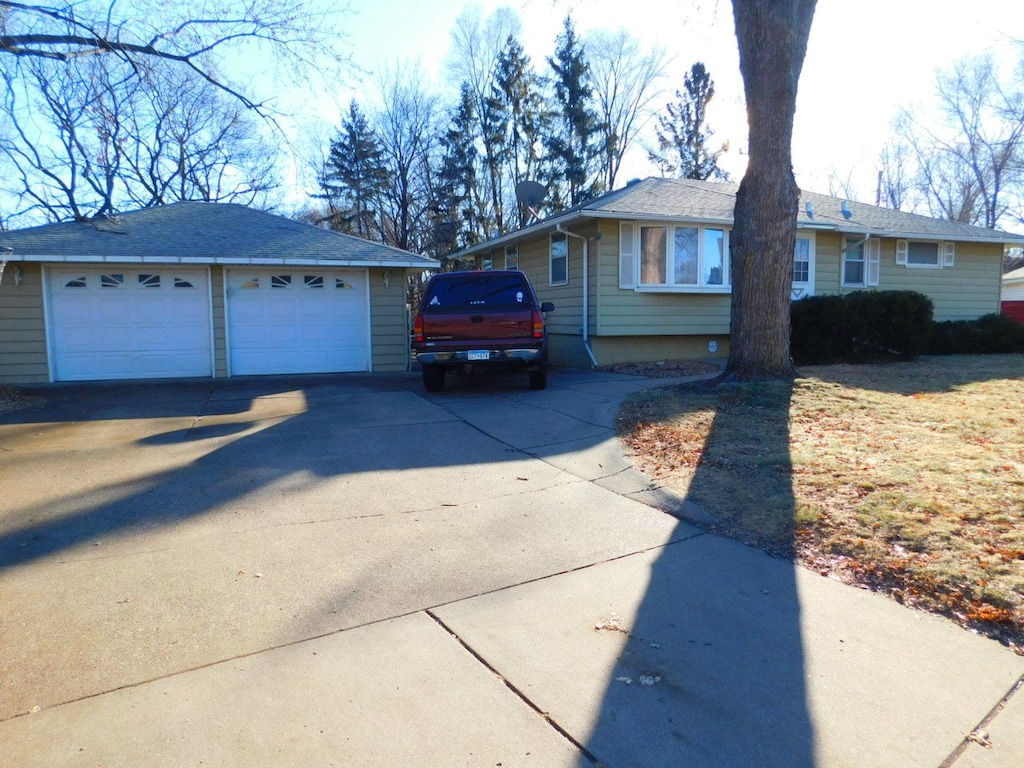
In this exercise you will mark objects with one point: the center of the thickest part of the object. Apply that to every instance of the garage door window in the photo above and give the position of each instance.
(339, 283)
(75, 282)
(111, 281)
(149, 281)
(314, 281)
(280, 281)
(180, 282)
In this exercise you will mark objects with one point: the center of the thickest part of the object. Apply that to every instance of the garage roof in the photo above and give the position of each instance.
(201, 233)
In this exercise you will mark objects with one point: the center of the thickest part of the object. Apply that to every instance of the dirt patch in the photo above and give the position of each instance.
(13, 399)
(904, 478)
(663, 369)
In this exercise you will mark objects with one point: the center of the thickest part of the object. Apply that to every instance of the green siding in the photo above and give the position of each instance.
(389, 324)
(220, 347)
(22, 327)
(965, 291)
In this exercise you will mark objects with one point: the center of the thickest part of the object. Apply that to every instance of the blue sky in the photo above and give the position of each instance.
(865, 60)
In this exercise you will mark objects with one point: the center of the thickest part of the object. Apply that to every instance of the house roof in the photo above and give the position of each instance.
(687, 200)
(201, 233)
(1014, 276)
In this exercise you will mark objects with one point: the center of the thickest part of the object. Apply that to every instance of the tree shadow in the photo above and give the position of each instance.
(713, 673)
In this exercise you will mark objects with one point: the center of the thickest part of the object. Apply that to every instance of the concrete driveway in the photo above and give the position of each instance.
(347, 571)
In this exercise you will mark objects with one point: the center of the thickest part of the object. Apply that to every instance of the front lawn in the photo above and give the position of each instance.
(907, 478)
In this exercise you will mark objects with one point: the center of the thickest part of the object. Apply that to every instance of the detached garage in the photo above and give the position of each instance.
(197, 290)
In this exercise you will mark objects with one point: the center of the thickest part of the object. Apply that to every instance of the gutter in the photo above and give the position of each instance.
(586, 289)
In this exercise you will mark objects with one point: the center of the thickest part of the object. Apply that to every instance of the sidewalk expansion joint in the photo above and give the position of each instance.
(517, 691)
(980, 733)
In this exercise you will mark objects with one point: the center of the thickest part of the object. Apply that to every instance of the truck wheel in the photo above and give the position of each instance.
(539, 378)
(433, 378)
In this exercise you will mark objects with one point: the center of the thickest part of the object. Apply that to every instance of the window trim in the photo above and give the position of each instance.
(806, 288)
(552, 238)
(863, 261)
(635, 256)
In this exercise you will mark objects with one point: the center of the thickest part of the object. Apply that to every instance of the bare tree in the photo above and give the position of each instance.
(625, 85)
(195, 34)
(407, 130)
(93, 135)
(772, 37)
(895, 174)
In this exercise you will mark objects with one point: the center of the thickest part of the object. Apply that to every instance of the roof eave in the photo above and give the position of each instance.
(255, 261)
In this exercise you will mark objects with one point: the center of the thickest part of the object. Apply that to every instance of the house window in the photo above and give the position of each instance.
(912, 253)
(559, 260)
(682, 256)
(802, 260)
(486, 262)
(853, 261)
(511, 257)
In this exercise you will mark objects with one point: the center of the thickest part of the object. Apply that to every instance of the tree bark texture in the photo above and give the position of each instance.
(772, 37)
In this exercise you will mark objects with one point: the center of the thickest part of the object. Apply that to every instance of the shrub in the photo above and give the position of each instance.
(986, 335)
(860, 326)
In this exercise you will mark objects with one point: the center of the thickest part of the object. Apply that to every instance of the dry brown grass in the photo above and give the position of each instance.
(907, 478)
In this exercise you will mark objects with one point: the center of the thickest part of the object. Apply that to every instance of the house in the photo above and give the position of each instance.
(642, 273)
(1013, 294)
(198, 289)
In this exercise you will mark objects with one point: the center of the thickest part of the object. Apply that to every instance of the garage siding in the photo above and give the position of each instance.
(389, 326)
(22, 327)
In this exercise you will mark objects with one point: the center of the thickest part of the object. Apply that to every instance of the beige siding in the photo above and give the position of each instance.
(625, 312)
(389, 329)
(220, 348)
(633, 349)
(22, 327)
(534, 260)
(965, 291)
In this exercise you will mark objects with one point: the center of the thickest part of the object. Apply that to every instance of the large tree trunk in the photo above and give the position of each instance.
(772, 37)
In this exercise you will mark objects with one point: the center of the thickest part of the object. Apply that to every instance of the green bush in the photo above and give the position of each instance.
(986, 335)
(860, 326)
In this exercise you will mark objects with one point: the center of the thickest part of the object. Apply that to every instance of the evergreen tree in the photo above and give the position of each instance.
(355, 177)
(684, 135)
(455, 219)
(573, 143)
(517, 89)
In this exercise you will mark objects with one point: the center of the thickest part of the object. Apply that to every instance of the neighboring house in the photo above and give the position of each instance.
(643, 273)
(1013, 294)
(198, 289)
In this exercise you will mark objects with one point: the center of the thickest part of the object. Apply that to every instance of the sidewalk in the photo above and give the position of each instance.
(600, 630)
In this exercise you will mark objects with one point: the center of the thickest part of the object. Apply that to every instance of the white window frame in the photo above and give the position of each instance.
(945, 254)
(513, 251)
(631, 258)
(801, 290)
(552, 239)
(850, 241)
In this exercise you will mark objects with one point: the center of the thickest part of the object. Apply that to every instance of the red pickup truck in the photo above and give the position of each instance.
(480, 321)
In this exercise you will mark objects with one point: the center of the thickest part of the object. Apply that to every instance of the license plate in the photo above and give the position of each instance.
(482, 354)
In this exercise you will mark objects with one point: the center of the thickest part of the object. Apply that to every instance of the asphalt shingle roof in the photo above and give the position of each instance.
(713, 202)
(201, 233)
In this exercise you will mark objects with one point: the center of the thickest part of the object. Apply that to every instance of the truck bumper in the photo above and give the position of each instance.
(477, 356)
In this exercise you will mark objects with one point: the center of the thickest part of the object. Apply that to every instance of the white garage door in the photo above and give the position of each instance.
(303, 320)
(119, 323)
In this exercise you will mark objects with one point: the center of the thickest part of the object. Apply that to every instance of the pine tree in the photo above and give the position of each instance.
(355, 177)
(684, 135)
(517, 90)
(455, 219)
(573, 145)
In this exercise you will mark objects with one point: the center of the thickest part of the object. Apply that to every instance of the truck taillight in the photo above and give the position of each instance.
(417, 328)
(538, 324)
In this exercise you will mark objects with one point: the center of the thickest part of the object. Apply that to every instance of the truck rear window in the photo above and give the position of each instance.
(477, 291)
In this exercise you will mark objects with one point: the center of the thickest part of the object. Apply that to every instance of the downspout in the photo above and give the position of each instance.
(586, 290)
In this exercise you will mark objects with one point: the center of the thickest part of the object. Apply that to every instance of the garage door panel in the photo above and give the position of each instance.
(129, 323)
(282, 321)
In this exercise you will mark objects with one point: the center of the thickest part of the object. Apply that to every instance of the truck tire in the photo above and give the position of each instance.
(539, 378)
(433, 377)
